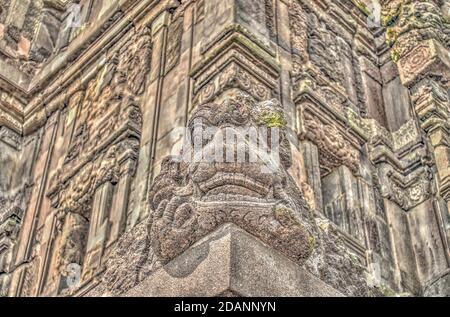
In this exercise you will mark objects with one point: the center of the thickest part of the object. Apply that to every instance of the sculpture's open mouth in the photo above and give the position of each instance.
(234, 187)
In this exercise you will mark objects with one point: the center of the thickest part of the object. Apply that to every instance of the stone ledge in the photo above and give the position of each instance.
(231, 261)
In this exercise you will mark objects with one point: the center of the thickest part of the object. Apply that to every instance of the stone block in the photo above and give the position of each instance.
(230, 260)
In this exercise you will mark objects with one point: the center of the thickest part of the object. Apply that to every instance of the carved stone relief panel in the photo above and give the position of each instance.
(174, 37)
(325, 53)
(299, 37)
(409, 23)
(408, 191)
(334, 149)
(323, 48)
(103, 150)
(231, 67)
(342, 205)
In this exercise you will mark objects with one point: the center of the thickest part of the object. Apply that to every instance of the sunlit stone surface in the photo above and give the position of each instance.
(118, 176)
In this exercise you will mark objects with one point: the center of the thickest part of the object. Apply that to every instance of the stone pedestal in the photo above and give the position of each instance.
(230, 261)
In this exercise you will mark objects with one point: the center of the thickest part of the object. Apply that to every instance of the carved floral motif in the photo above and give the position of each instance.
(415, 60)
(233, 68)
(334, 150)
(407, 192)
(191, 200)
(173, 51)
(104, 147)
(410, 22)
(233, 76)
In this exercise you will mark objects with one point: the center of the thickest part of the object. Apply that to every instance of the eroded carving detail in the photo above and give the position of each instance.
(408, 193)
(232, 68)
(191, 200)
(334, 149)
(410, 22)
(174, 43)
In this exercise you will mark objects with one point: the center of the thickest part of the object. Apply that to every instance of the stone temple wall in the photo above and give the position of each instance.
(94, 200)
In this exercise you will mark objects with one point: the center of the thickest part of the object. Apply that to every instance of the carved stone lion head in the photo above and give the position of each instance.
(233, 170)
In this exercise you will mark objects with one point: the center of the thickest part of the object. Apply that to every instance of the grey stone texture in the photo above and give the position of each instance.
(94, 200)
(230, 260)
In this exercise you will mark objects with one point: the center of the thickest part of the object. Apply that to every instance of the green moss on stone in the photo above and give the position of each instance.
(272, 120)
(312, 242)
(362, 6)
(395, 56)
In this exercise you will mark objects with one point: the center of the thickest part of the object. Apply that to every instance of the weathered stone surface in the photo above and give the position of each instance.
(95, 100)
(231, 260)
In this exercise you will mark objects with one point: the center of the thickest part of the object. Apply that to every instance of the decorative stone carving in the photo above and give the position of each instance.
(406, 178)
(173, 50)
(431, 103)
(75, 104)
(108, 107)
(408, 23)
(130, 261)
(408, 194)
(299, 36)
(323, 49)
(232, 67)
(234, 76)
(10, 223)
(76, 195)
(74, 230)
(190, 199)
(311, 81)
(9, 121)
(407, 135)
(334, 149)
(415, 60)
(135, 61)
(11, 213)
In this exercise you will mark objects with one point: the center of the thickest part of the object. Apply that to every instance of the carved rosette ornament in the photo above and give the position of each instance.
(233, 67)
